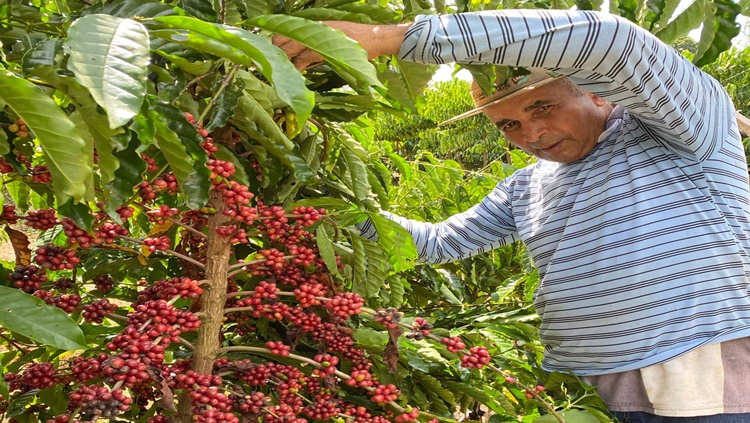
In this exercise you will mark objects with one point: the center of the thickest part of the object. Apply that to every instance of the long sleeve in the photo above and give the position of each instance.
(485, 226)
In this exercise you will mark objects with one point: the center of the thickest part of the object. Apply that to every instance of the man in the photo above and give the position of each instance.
(636, 213)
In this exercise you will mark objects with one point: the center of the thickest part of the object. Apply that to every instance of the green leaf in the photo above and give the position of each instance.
(68, 156)
(625, 8)
(136, 8)
(79, 213)
(396, 290)
(45, 53)
(663, 14)
(396, 241)
(201, 9)
(369, 266)
(251, 114)
(689, 19)
(367, 337)
(344, 55)
(32, 317)
(434, 387)
(719, 28)
(225, 105)
(128, 174)
(356, 174)
(4, 144)
(484, 396)
(180, 143)
(244, 47)
(325, 248)
(112, 65)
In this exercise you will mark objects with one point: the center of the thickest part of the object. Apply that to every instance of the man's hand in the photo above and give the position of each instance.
(377, 40)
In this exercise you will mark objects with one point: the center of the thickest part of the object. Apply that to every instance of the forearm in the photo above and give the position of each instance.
(488, 225)
(377, 40)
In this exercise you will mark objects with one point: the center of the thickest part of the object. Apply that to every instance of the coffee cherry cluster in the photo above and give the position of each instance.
(8, 215)
(210, 404)
(146, 191)
(66, 302)
(160, 214)
(54, 257)
(345, 304)
(95, 312)
(537, 390)
(306, 216)
(454, 343)
(419, 329)
(251, 404)
(157, 244)
(125, 212)
(95, 402)
(278, 348)
(63, 284)
(166, 182)
(322, 409)
(167, 289)
(108, 232)
(20, 128)
(389, 317)
(42, 219)
(306, 294)
(103, 283)
(303, 256)
(150, 163)
(159, 318)
(40, 174)
(272, 258)
(131, 372)
(409, 416)
(27, 278)
(35, 376)
(220, 168)
(87, 369)
(77, 236)
(362, 378)
(384, 393)
(477, 358)
(328, 364)
(235, 194)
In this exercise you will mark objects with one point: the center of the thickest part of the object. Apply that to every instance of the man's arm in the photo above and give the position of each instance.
(377, 40)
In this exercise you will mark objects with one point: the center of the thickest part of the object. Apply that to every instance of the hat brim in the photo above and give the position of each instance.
(480, 109)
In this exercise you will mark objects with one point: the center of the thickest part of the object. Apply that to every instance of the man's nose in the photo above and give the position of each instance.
(533, 130)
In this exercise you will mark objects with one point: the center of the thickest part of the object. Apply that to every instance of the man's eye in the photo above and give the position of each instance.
(544, 109)
(508, 126)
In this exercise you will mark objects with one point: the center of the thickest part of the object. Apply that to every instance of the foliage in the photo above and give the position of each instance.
(473, 142)
(193, 196)
(731, 70)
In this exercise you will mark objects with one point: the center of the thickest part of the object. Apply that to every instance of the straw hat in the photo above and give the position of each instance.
(513, 87)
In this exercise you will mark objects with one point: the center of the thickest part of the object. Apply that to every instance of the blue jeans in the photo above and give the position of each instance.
(641, 417)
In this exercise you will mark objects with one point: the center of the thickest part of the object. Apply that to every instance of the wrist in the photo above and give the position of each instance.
(388, 39)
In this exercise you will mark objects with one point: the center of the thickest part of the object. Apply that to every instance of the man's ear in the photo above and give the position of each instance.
(598, 100)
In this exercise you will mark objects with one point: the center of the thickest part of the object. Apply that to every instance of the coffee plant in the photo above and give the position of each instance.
(181, 204)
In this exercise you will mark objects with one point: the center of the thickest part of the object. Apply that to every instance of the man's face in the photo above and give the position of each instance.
(557, 122)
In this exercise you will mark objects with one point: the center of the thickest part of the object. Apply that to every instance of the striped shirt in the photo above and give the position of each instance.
(642, 245)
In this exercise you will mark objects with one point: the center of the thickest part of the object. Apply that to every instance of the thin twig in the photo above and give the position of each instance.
(224, 84)
(169, 252)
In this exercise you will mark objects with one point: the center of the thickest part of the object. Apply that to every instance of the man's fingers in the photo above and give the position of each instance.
(302, 57)
(307, 59)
